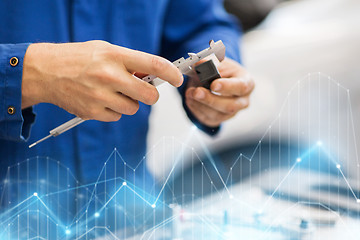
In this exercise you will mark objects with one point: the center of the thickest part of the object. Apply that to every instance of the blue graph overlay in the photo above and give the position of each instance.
(300, 177)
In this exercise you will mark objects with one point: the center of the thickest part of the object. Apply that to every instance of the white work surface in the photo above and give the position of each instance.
(272, 218)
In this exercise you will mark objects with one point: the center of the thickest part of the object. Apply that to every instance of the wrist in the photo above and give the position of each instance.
(32, 81)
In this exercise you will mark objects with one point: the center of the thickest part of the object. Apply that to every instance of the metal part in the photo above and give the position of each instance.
(207, 73)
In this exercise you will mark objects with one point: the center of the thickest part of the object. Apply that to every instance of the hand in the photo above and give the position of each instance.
(93, 80)
(231, 94)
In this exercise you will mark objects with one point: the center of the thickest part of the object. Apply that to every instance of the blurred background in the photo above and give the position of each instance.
(288, 165)
(285, 45)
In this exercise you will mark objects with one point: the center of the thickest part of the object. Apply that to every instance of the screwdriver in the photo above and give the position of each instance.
(77, 120)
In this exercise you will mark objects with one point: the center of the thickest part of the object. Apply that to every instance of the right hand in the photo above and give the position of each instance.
(93, 80)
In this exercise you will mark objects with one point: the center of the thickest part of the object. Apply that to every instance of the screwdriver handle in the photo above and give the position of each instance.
(66, 126)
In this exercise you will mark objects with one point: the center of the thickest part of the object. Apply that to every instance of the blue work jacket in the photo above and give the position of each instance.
(162, 27)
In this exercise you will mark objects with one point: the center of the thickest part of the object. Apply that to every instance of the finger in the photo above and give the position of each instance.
(227, 105)
(208, 114)
(136, 61)
(236, 86)
(200, 114)
(109, 115)
(135, 88)
(122, 104)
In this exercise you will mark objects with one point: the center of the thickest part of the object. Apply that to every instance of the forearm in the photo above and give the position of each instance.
(32, 79)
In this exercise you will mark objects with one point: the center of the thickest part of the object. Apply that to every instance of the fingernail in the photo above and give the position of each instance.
(200, 95)
(181, 80)
(217, 87)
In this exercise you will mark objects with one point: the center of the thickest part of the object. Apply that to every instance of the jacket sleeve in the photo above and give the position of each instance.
(15, 123)
(189, 26)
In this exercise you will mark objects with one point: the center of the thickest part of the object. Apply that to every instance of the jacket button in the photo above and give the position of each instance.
(11, 110)
(14, 61)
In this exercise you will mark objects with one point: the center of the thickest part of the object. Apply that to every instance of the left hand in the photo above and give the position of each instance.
(231, 94)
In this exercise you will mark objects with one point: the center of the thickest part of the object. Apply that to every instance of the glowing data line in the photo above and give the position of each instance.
(173, 168)
(108, 201)
(347, 182)
(51, 213)
(97, 227)
(353, 127)
(141, 197)
(304, 156)
(278, 186)
(18, 205)
(208, 154)
(156, 227)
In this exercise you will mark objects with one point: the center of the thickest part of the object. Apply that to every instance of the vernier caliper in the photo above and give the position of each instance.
(186, 67)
